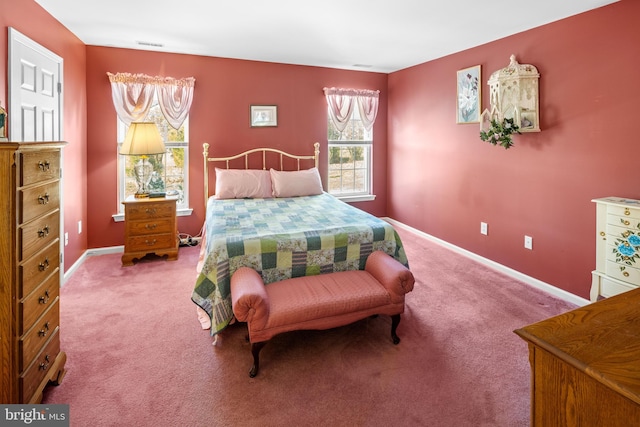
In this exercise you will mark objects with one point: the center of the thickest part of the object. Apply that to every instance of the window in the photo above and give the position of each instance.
(170, 170)
(350, 151)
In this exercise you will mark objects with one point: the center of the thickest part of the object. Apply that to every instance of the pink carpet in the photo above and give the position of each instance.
(137, 356)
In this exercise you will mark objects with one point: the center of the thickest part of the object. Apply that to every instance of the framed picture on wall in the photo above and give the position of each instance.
(469, 99)
(264, 115)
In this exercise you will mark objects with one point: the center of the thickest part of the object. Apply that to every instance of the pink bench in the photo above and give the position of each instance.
(319, 302)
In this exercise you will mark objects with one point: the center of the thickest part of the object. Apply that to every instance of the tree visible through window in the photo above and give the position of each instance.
(349, 158)
(170, 169)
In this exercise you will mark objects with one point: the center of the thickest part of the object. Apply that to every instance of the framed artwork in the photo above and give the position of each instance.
(468, 95)
(264, 115)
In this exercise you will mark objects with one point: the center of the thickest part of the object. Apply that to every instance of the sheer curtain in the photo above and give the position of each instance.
(174, 97)
(342, 101)
(133, 96)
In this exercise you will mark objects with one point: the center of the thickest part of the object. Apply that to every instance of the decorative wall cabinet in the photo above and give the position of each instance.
(513, 94)
(617, 247)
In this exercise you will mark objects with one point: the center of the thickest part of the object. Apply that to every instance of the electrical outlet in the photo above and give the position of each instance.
(484, 228)
(79, 227)
(528, 242)
(66, 239)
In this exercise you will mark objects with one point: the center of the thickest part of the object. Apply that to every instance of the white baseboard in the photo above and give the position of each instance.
(90, 252)
(550, 289)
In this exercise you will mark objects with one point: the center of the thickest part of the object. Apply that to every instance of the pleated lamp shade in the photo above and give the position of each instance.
(143, 138)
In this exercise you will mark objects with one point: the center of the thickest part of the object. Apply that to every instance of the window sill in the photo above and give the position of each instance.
(359, 198)
(119, 217)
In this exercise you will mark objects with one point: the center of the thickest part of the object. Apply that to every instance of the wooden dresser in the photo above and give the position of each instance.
(617, 247)
(151, 226)
(585, 365)
(30, 258)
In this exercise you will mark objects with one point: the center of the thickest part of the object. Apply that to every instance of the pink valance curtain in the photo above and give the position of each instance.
(342, 101)
(133, 95)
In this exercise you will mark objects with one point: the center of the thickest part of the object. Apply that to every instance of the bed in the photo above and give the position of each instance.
(288, 227)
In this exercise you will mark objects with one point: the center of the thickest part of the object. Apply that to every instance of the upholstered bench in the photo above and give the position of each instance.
(319, 302)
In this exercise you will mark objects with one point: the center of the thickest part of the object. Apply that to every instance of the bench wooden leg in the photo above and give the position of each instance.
(395, 321)
(255, 350)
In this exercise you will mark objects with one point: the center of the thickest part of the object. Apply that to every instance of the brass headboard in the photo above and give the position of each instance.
(315, 157)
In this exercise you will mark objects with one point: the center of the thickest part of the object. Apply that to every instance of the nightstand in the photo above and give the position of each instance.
(151, 227)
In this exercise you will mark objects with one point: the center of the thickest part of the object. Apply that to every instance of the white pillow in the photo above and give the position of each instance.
(296, 183)
(242, 183)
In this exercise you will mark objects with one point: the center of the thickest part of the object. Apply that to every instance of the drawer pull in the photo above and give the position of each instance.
(43, 232)
(45, 365)
(45, 298)
(625, 273)
(625, 222)
(151, 226)
(151, 211)
(44, 265)
(44, 166)
(151, 243)
(44, 331)
(627, 212)
(43, 200)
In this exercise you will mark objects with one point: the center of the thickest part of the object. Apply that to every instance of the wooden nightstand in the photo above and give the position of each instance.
(151, 226)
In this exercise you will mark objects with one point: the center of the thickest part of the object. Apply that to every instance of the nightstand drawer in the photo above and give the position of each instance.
(39, 301)
(33, 341)
(37, 268)
(153, 226)
(150, 210)
(33, 376)
(151, 243)
(39, 200)
(39, 166)
(38, 234)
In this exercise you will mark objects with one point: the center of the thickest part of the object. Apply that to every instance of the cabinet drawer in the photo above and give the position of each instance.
(150, 210)
(621, 231)
(33, 376)
(154, 226)
(37, 302)
(151, 243)
(37, 336)
(39, 166)
(38, 234)
(625, 212)
(622, 272)
(37, 268)
(38, 200)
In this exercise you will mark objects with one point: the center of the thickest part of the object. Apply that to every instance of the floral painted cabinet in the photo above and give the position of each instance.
(617, 247)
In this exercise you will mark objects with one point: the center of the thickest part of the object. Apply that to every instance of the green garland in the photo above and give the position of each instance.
(500, 133)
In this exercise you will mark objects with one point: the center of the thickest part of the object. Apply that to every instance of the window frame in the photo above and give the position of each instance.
(183, 208)
(367, 143)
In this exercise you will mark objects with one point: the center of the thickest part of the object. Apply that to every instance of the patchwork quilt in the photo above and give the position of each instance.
(283, 238)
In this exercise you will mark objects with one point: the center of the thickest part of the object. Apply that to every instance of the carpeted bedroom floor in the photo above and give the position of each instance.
(138, 357)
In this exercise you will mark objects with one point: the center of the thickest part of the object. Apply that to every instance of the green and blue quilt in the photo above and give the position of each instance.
(283, 238)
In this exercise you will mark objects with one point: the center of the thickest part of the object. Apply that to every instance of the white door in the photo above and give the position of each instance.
(35, 91)
(35, 100)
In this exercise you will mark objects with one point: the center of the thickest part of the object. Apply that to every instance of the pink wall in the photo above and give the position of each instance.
(444, 181)
(30, 19)
(225, 88)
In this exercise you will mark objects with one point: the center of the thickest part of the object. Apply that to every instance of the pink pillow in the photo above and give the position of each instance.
(242, 183)
(296, 183)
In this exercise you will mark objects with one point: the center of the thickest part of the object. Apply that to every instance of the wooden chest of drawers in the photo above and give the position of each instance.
(30, 259)
(150, 227)
(617, 247)
(585, 367)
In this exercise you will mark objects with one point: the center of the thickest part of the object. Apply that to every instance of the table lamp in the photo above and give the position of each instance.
(142, 140)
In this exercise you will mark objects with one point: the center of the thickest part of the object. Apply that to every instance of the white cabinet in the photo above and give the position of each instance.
(617, 247)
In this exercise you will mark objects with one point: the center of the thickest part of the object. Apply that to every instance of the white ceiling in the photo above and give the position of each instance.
(366, 35)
